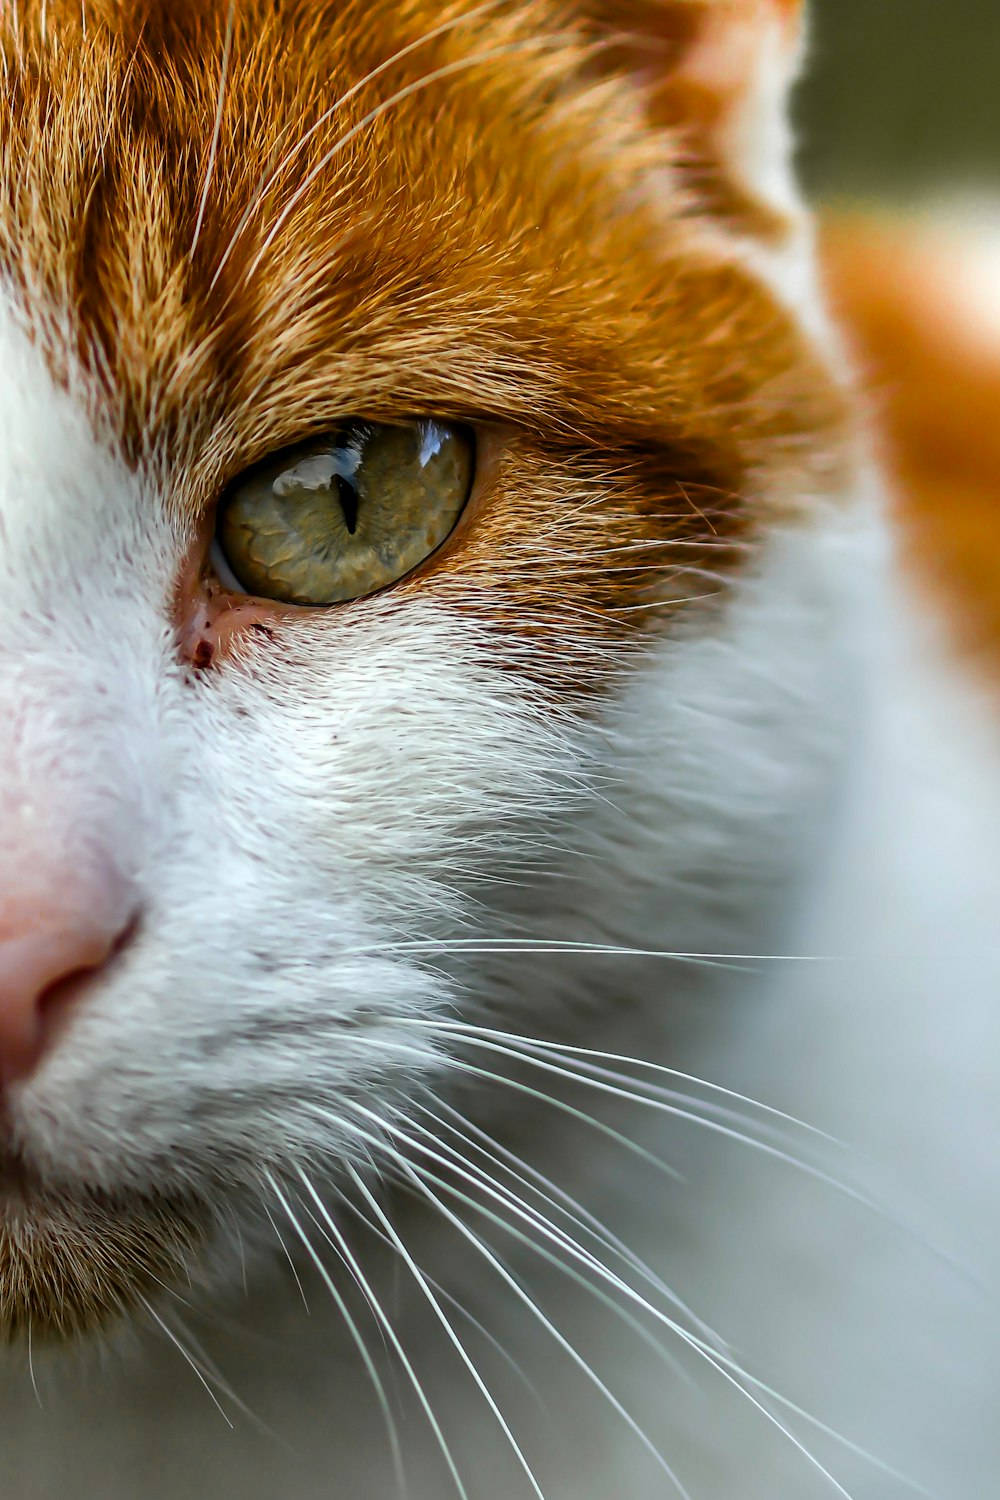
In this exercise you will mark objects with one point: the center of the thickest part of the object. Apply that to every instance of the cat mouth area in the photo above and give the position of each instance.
(72, 1265)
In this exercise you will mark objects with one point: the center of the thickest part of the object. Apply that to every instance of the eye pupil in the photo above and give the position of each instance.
(349, 502)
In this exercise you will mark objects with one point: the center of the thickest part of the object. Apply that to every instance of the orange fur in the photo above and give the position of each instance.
(696, 60)
(936, 383)
(481, 231)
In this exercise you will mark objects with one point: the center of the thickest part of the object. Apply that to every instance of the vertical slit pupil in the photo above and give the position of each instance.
(348, 497)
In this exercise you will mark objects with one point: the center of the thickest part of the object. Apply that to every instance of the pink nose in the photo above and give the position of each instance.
(43, 968)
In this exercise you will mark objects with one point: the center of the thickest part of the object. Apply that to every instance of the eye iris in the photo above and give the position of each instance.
(346, 515)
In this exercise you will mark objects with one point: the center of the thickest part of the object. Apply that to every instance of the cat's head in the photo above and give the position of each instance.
(396, 403)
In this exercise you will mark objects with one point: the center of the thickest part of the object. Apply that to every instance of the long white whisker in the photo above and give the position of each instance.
(216, 129)
(419, 1181)
(322, 1224)
(328, 114)
(514, 949)
(695, 1344)
(538, 1221)
(456, 1163)
(352, 1327)
(716, 1127)
(837, 1184)
(31, 1368)
(460, 1065)
(711, 1343)
(820, 1426)
(609, 1241)
(442, 1318)
(447, 70)
(187, 1357)
(590, 1056)
(401, 1354)
(288, 1257)
(211, 1371)
(449, 1297)
(522, 945)
(557, 1197)
(448, 1157)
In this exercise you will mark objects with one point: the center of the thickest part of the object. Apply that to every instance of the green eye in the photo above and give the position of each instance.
(346, 514)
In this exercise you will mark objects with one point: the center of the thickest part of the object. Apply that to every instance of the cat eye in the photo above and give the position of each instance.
(346, 514)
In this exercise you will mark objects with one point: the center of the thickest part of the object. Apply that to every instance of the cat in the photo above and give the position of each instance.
(498, 774)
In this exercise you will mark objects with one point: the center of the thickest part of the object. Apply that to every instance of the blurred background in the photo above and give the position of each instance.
(902, 98)
(899, 109)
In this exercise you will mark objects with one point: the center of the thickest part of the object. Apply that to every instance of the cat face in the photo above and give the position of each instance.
(228, 236)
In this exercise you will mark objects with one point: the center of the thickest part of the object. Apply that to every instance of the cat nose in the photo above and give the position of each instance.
(44, 968)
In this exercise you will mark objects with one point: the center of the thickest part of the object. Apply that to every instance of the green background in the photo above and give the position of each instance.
(901, 97)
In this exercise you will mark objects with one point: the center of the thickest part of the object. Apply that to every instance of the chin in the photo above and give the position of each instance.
(75, 1264)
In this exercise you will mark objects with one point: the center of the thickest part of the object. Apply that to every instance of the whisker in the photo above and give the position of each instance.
(454, 1162)
(476, 1176)
(447, 70)
(442, 1318)
(421, 1185)
(187, 1357)
(216, 129)
(211, 1371)
(31, 1367)
(715, 1127)
(820, 1426)
(623, 610)
(342, 1308)
(353, 1207)
(695, 1344)
(535, 1220)
(838, 1184)
(557, 1197)
(268, 182)
(480, 946)
(552, 1100)
(288, 1257)
(709, 1343)
(609, 1241)
(321, 1225)
(590, 1055)
(394, 1340)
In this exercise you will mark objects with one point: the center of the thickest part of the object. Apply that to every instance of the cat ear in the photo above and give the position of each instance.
(716, 74)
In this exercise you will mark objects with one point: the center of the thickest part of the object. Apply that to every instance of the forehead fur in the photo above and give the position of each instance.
(246, 221)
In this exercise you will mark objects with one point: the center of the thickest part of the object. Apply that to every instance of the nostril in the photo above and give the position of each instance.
(55, 996)
(43, 973)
